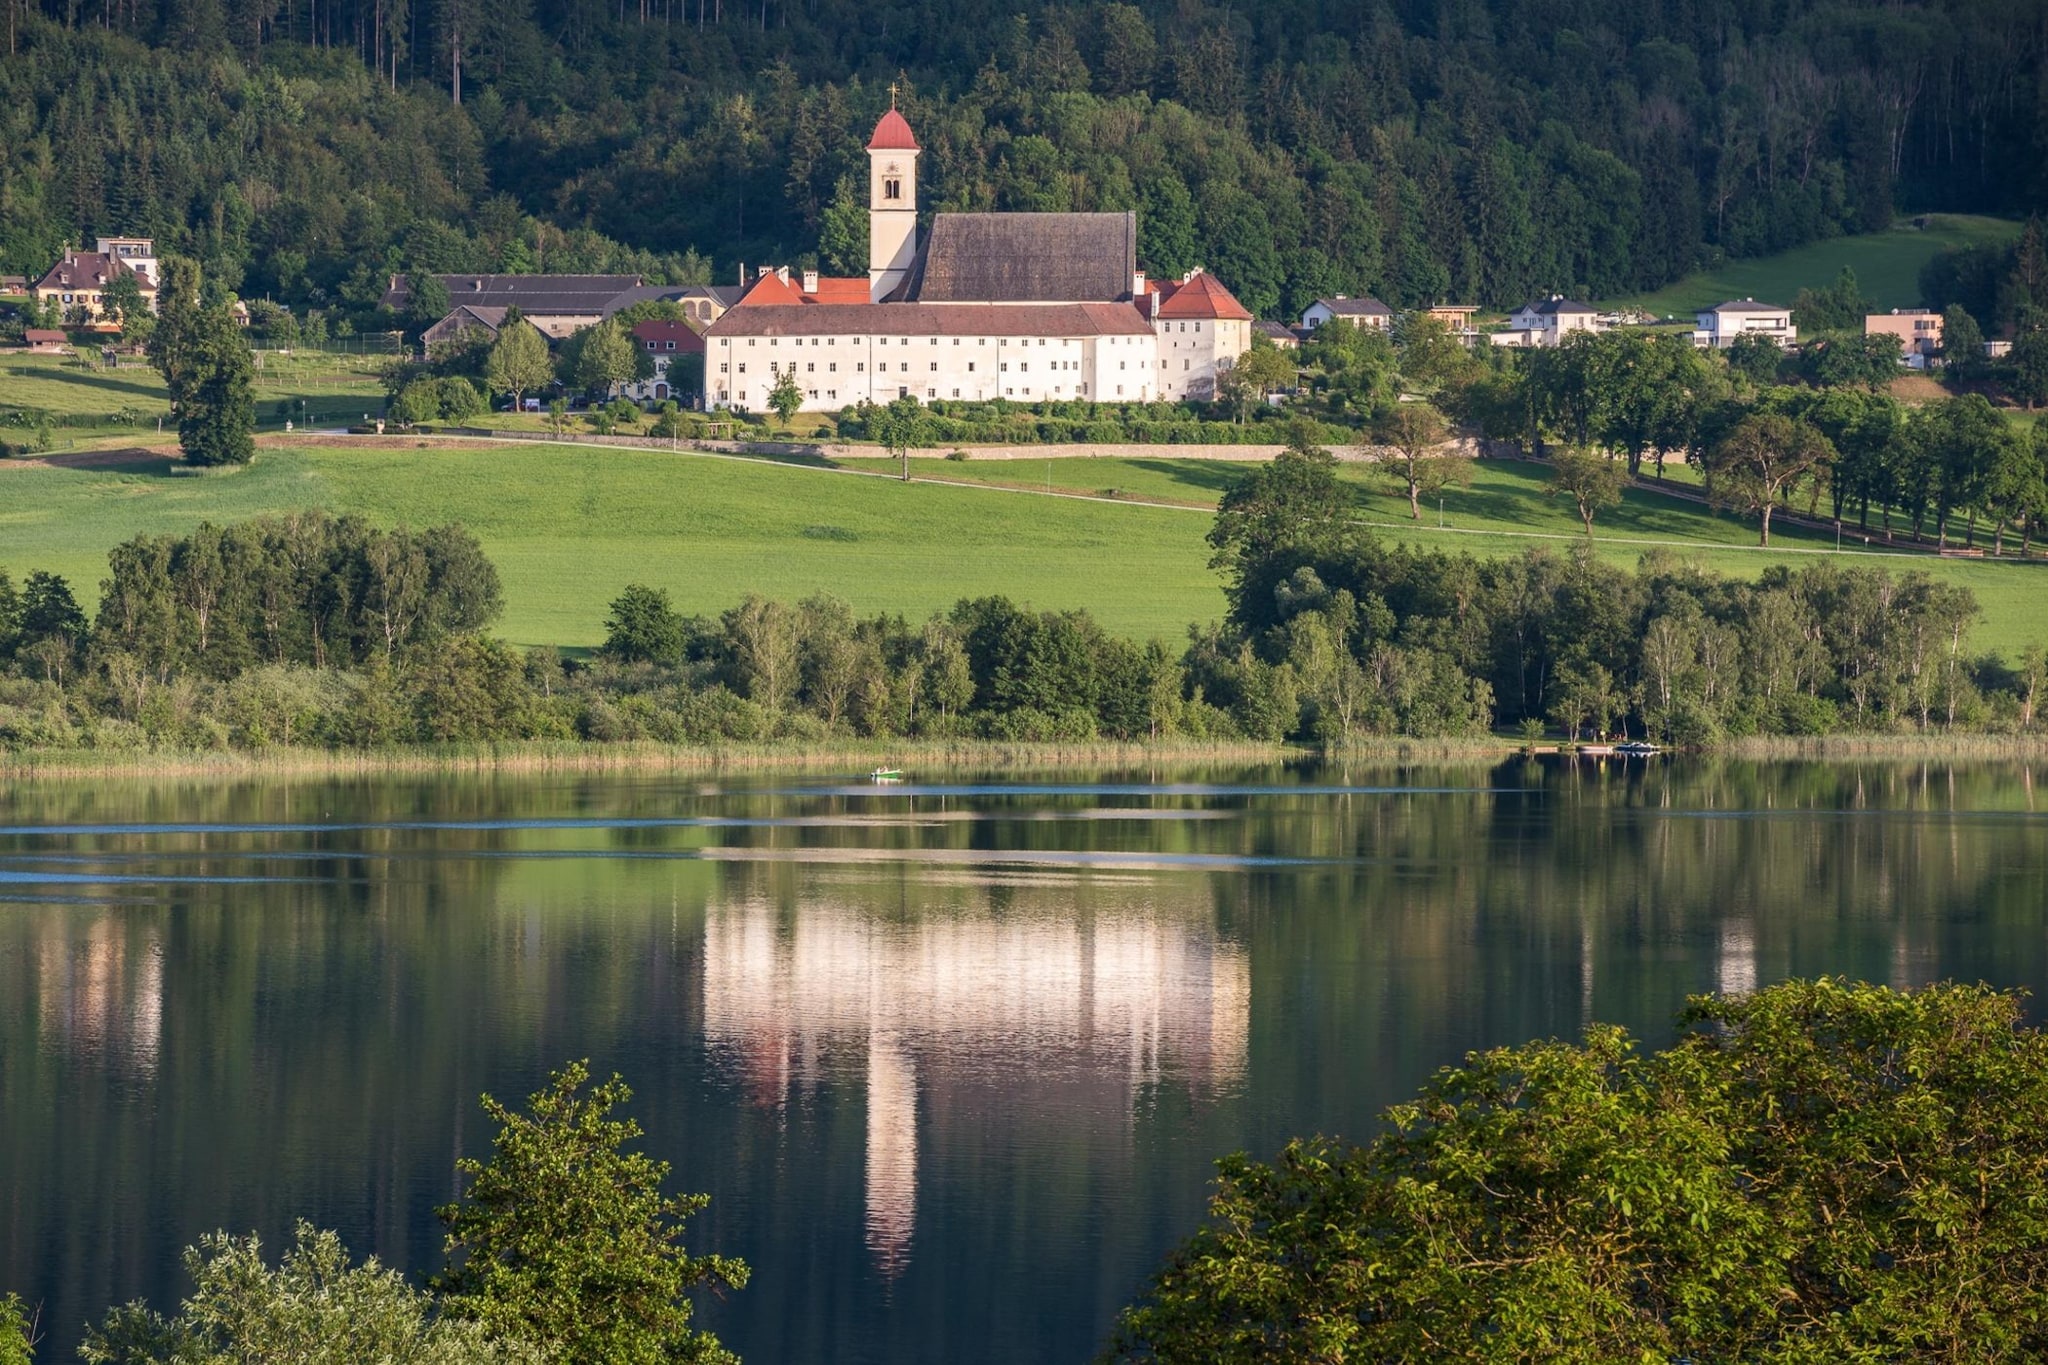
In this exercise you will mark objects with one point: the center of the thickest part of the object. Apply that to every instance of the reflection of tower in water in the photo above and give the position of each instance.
(1735, 966)
(892, 1152)
(104, 994)
(1049, 998)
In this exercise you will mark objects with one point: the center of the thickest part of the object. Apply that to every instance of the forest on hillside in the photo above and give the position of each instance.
(1422, 150)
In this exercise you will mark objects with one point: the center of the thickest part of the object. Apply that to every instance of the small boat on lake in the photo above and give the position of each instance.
(886, 777)
(1637, 748)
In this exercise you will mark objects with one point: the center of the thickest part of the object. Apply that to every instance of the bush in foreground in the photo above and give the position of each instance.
(1817, 1171)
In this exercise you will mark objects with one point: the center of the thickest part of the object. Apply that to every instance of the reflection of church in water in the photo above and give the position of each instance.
(1089, 1009)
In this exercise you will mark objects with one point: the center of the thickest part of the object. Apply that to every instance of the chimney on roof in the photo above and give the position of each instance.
(1138, 285)
(782, 273)
(1192, 272)
(477, 285)
(810, 281)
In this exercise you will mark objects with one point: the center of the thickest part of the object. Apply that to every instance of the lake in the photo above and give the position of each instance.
(953, 1059)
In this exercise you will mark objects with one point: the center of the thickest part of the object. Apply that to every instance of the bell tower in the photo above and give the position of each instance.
(892, 202)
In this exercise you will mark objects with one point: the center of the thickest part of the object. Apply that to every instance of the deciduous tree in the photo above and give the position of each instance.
(1412, 435)
(1816, 1170)
(1766, 457)
(1591, 481)
(519, 360)
(564, 1238)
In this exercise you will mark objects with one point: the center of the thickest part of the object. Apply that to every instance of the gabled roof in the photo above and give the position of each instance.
(1201, 295)
(42, 336)
(1354, 308)
(490, 317)
(767, 289)
(892, 134)
(932, 320)
(1024, 258)
(534, 295)
(89, 270)
(685, 337)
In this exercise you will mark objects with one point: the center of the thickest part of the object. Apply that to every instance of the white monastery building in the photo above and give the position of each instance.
(1033, 307)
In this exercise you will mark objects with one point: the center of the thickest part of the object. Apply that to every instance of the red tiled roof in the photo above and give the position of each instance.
(893, 134)
(936, 319)
(1202, 297)
(840, 291)
(42, 336)
(656, 334)
(768, 290)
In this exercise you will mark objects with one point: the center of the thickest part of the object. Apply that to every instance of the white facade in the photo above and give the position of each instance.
(839, 371)
(1719, 327)
(1547, 322)
(137, 253)
(1153, 342)
(1195, 352)
(1359, 313)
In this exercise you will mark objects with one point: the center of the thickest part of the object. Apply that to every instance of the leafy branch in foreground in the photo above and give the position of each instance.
(314, 1308)
(565, 1239)
(1816, 1171)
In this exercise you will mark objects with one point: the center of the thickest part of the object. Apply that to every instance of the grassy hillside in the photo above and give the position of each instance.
(1887, 264)
(334, 388)
(569, 527)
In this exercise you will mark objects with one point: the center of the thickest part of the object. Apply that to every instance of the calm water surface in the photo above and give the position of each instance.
(952, 1060)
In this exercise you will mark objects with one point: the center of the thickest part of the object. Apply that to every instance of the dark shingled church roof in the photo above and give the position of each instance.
(1024, 258)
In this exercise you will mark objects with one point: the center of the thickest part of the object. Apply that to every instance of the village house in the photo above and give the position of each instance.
(670, 346)
(137, 253)
(1918, 331)
(1457, 319)
(1719, 326)
(77, 283)
(1361, 313)
(1023, 306)
(1547, 322)
(1282, 336)
(44, 341)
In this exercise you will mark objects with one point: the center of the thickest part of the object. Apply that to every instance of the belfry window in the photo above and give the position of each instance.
(892, 189)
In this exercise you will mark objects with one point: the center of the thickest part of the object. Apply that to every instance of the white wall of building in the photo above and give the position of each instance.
(839, 371)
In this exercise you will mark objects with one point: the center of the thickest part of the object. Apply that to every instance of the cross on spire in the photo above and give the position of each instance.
(892, 94)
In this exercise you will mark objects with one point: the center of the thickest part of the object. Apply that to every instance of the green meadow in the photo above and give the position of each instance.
(1887, 265)
(329, 388)
(570, 526)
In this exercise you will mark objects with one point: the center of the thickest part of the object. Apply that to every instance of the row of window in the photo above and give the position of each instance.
(832, 395)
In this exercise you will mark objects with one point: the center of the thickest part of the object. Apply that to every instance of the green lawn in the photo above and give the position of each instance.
(570, 526)
(1887, 265)
(336, 389)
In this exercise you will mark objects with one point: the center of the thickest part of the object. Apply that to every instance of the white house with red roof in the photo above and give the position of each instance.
(669, 347)
(1031, 307)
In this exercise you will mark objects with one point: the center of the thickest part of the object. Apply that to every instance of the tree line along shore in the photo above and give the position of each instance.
(310, 630)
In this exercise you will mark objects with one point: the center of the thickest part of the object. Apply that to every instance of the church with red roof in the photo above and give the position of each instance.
(1031, 307)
